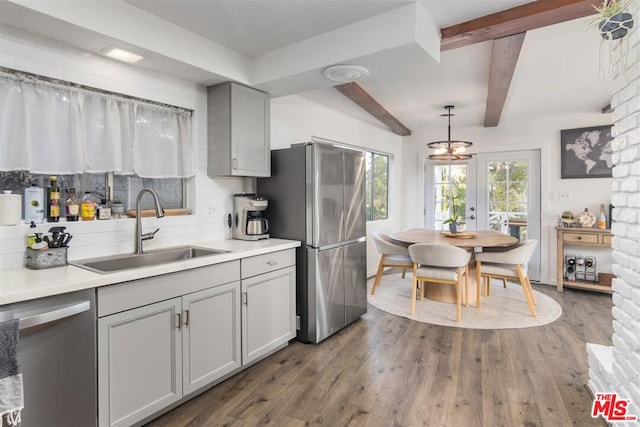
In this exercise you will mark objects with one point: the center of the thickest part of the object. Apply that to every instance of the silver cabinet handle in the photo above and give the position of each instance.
(185, 314)
(272, 262)
(178, 320)
(245, 298)
(50, 316)
(235, 163)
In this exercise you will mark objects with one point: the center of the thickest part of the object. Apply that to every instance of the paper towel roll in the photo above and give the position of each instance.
(10, 208)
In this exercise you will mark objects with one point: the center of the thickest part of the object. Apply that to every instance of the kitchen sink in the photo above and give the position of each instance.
(115, 263)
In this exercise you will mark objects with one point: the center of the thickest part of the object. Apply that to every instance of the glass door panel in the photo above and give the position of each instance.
(508, 196)
(508, 191)
(449, 193)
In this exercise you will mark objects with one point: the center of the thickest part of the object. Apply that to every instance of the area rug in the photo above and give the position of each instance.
(504, 309)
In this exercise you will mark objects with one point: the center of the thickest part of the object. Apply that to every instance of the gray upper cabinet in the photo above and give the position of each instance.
(238, 131)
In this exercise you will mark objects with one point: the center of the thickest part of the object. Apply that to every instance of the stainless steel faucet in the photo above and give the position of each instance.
(159, 214)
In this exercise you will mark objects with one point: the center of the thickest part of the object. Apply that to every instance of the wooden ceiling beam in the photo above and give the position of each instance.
(516, 20)
(357, 94)
(504, 57)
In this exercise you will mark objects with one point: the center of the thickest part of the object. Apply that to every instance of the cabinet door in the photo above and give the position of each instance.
(210, 335)
(268, 312)
(250, 132)
(139, 362)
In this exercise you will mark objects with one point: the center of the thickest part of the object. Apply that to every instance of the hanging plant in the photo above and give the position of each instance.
(612, 19)
(614, 22)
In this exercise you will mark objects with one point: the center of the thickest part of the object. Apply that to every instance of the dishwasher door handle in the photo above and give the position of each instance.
(58, 313)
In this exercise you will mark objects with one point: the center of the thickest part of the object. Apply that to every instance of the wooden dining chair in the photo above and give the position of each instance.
(391, 255)
(507, 265)
(437, 263)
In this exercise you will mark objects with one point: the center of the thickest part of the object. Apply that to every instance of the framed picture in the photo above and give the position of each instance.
(586, 152)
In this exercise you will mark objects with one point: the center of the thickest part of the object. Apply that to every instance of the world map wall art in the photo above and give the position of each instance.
(586, 152)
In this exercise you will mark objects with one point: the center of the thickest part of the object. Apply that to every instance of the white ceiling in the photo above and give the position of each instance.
(282, 46)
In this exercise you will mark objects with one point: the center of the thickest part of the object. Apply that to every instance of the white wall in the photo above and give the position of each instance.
(209, 199)
(543, 133)
(328, 114)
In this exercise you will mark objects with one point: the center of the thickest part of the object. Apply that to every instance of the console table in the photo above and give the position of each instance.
(580, 237)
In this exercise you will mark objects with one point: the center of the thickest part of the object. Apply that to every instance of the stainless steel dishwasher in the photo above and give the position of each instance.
(57, 358)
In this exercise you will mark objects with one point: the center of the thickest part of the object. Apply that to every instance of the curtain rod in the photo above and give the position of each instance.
(26, 76)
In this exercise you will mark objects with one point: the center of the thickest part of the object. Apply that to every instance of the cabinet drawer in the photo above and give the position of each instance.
(125, 296)
(259, 264)
(606, 240)
(580, 238)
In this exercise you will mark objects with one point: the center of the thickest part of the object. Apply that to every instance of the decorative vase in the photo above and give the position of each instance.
(616, 26)
(453, 227)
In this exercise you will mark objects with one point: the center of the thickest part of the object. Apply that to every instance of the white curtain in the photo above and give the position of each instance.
(162, 143)
(51, 128)
(41, 128)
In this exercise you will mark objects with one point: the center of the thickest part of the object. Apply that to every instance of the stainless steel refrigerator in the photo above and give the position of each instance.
(316, 194)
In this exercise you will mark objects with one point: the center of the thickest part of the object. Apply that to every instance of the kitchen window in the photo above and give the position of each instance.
(125, 188)
(109, 144)
(377, 186)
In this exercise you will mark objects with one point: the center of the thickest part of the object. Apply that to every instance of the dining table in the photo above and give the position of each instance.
(469, 240)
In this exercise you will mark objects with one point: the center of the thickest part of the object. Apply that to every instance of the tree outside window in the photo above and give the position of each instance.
(377, 186)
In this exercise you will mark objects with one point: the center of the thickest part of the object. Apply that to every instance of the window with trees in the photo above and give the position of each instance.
(377, 186)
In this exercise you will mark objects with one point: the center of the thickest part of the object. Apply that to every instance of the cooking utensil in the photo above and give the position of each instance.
(65, 240)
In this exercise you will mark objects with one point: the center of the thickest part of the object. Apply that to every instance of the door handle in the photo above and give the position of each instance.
(31, 320)
(472, 217)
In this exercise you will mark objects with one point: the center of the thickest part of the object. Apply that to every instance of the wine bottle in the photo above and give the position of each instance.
(72, 207)
(602, 218)
(53, 200)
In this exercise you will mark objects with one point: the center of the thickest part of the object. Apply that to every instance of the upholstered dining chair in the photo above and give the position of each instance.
(391, 255)
(437, 263)
(508, 265)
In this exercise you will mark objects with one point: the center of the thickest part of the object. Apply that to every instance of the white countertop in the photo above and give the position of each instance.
(24, 284)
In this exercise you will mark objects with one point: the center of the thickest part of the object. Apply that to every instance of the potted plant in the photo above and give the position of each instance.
(612, 19)
(117, 208)
(456, 218)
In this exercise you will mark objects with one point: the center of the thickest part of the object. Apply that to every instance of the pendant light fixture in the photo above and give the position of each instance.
(448, 151)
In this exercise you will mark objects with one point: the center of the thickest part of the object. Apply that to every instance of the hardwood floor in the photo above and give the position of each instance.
(386, 370)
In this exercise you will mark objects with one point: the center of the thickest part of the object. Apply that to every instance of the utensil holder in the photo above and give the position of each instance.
(49, 258)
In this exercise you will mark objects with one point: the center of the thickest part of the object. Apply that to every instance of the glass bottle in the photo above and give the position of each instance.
(72, 207)
(87, 207)
(602, 218)
(53, 200)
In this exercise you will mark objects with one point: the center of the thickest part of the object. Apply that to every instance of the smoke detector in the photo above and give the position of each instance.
(345, 73)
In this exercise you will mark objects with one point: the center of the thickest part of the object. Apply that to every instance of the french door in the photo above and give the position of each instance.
(497, 191)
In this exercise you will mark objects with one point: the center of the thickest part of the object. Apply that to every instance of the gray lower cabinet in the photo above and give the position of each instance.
(163, 338)
(210, 335)
(139, 363)
(152, 356)
(269, 303)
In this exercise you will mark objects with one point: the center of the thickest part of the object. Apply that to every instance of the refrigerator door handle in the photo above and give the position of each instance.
(358, 240)
(328, 247)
